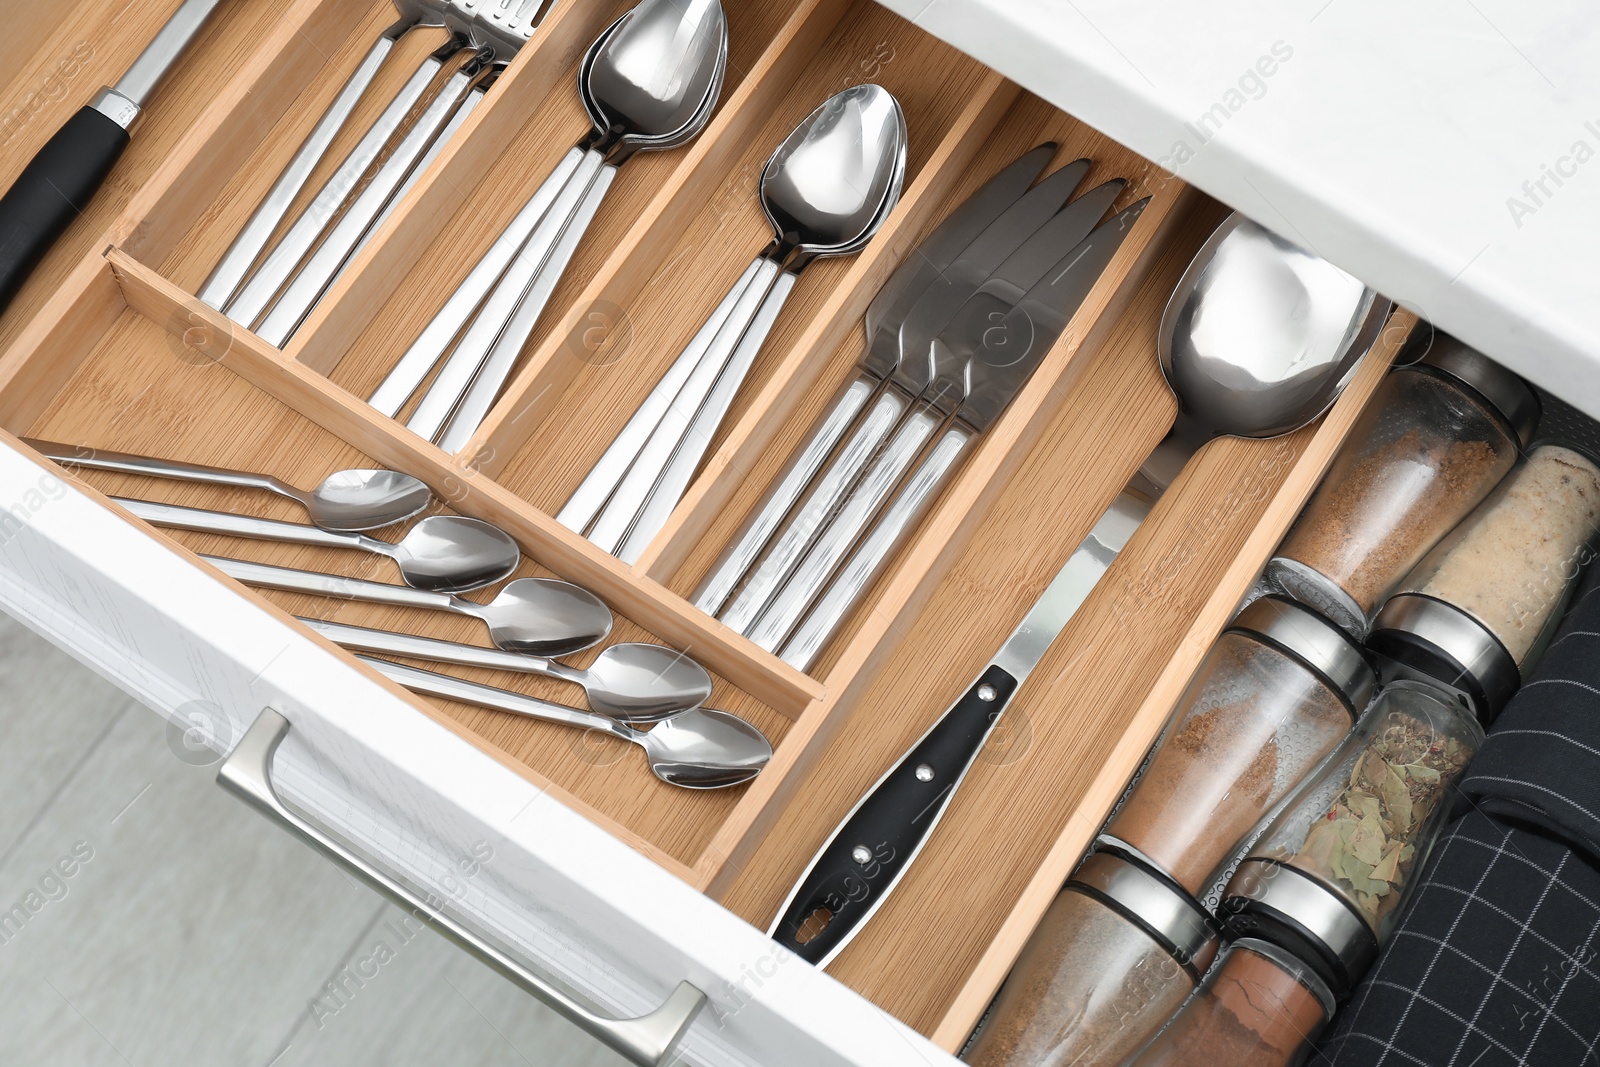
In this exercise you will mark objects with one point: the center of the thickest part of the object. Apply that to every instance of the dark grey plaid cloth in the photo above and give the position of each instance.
(1496, 960)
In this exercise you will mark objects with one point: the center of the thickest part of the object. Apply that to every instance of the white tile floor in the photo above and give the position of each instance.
(147, 918)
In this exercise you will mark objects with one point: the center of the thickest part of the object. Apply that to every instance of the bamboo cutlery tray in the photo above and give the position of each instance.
(107, 348)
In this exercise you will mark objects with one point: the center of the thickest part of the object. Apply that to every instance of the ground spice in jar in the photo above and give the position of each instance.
(1254, 722)
(1365, 842)
(1512, 563)
(1255, 1010)
(1089, 988)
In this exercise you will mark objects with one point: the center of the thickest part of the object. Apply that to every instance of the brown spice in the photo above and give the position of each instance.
(1251, 1013)
(1090, 988)
(1254, 722)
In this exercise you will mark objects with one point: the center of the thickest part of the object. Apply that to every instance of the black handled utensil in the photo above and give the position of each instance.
(58, 182)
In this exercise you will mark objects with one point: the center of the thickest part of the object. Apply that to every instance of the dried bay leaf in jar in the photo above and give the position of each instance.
(1280, 688)
(1116, 954)
(1475, 614)
(1328, 877)
(1436, 438)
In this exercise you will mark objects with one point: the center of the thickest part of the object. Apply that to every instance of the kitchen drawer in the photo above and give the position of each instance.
(614, 883)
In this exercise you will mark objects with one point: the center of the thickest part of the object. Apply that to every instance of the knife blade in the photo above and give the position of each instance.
(870, 851)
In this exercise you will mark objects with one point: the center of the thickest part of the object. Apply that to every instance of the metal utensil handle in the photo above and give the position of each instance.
(365, 639)
(696, 440)
(325, 265)
(758, 530)
(602, 480)
(444, 396)
(202, 521)
(104, 459)
(502, 358)
(647, 1040)
(291, 580)
(831, 608)
(819, 508)
(622, 511)
(431, 345)
(809, 578)
(431, 683)
(257, 292)
(252, 240)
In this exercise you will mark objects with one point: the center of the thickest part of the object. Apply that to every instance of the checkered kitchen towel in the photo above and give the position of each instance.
(1497, 958)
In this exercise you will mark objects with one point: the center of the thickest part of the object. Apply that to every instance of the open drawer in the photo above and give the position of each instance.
(614, 883)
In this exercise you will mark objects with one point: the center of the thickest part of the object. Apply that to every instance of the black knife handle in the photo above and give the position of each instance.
(52, 191)
(872, 848)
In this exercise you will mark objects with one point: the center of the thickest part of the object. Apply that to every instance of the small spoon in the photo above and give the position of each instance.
(696, 749)
(536, 616)
(442, 553)
(347, 501)
(649, 83)
(826, 191)
(631, 682)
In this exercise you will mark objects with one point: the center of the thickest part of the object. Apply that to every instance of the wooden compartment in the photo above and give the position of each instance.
(108, 349)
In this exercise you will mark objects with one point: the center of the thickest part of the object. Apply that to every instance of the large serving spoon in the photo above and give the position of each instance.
(630, 682)
(536, 616)
(1259, 339)
(441, 554)
(348, 500)
(649, 83)
(696, 749)
(826, 190)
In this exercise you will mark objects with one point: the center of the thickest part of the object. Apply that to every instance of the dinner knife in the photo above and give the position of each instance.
(58, 182)
(869, 852)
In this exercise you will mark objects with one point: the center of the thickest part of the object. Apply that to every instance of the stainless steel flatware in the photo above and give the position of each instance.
(534, 616)
(826, 191)
(59, 181)
(920, 396)
(442, 553)
(696, 749)
(650, 82)
(921, 267)
(635, 683)
(347, 500)
(1259, 338)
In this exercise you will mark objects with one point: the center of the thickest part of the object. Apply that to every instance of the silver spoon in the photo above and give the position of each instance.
(442, 553)
(536, 616)
(650, 82)
(348, 500)
(826, 191)
(630, 682)
(696, 749)
(1258, 339)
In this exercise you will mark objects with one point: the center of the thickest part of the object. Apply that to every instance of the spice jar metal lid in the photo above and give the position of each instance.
(1275, 902)
(1169, 915)
(1315, 641)
(1512, 397)
(1422, 637)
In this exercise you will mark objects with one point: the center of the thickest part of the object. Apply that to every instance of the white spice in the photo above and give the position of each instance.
(1514, 558)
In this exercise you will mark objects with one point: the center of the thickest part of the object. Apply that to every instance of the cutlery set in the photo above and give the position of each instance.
(530, 621)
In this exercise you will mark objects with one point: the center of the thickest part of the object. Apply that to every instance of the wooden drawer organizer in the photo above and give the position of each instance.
(108, 348)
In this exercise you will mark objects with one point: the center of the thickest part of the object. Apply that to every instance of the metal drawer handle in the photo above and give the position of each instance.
(647, 1040)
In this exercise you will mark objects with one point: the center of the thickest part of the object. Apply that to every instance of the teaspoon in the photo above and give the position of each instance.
(629, 682)
(696, 749)
(442, 553)
(348, 500)
(537, 616)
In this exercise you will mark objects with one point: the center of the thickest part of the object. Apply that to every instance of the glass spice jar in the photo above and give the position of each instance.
(1435, 440)
(1259, 1007)
(1327, 878)
(1277, 691)
(1477, 612)
(1119, 950)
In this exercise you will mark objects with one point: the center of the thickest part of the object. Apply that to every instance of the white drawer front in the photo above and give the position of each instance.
(581, 906)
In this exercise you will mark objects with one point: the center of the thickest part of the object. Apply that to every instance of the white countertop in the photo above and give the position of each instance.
(1407, 143)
